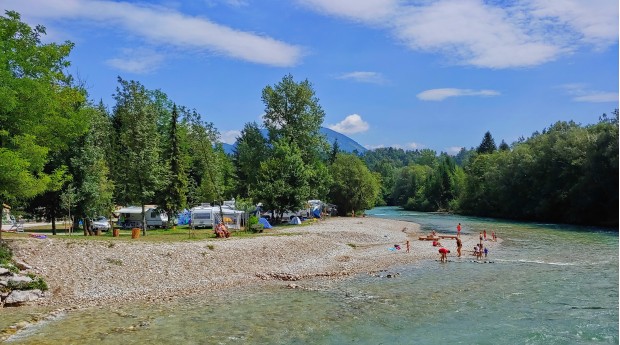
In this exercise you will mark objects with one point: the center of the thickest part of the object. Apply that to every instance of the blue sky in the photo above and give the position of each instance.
(410, 74)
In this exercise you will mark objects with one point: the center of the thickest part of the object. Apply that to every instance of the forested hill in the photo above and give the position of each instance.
(345, 143)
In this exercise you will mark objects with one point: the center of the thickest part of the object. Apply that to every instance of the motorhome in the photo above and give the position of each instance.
(131, 217)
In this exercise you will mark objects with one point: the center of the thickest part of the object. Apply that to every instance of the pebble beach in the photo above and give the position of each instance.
(89, 273)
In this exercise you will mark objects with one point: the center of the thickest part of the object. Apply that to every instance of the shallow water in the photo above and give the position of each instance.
(546, 284)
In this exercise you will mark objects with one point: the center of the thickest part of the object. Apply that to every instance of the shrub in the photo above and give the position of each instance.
(5, 253)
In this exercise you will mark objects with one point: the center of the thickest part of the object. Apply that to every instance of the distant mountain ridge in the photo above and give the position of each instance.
(345, 143)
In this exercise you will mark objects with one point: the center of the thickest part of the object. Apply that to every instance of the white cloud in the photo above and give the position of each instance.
(598, 97)
(350, 125)
(473, 33)
(453, 150)
(168, 28)
(137, 61)
(360, 10)
(441, 94)
(372, 147)
(487, 34)
(595, 20)
(364, 77)
(414, 146)
(581, 93)
(230, 137)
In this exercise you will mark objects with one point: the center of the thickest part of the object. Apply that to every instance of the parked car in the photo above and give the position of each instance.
(101, 223)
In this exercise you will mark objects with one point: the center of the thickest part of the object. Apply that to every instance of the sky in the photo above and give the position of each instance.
(417, 74)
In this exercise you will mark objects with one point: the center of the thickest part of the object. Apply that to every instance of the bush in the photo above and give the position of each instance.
(252, 220)
(5, 253)
(257, 227)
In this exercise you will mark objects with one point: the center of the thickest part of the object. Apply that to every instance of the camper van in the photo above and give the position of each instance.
(206, 216)
(131, 217)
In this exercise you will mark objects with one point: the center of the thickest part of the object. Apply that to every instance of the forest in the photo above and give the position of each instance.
(62, 154)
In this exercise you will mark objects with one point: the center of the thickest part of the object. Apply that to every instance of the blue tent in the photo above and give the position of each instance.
(265, 223)
(316, 212)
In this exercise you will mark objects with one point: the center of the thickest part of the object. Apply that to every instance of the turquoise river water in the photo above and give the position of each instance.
(547, 284)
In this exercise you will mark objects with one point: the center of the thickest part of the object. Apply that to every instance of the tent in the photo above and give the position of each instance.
(295, 221)
(265, 223)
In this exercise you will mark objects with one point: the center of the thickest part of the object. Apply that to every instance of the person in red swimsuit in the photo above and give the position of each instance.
(444, 254)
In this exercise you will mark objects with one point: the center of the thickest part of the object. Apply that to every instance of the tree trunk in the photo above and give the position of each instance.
(53, 224)
(1, 215)
(143, 221)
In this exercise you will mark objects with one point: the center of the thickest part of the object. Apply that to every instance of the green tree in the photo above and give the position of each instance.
(284, 180)
(354, 187)
(293, 114)
(39, 110)
(487, 145)
(175, 189)
(205, 175)
(139, 167)
(250, 151)
(94, 189)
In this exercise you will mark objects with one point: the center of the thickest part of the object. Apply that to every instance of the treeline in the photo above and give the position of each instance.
(568, 173)
(63, 155)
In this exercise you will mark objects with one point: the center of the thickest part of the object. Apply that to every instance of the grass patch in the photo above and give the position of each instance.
(180, 234)
(5, 253)
(117, 262)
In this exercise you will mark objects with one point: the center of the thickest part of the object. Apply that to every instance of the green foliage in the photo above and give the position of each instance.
(36, 283)
(567, 174)
(251, 150)
(39, 109)
(205, 176)
(5, 253)
(252, 220)
(293, 114)
(284, 180)
(354, 187)
(175, 188)
(139, 173)
(487, 145)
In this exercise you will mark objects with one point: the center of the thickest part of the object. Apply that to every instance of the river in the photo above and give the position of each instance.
(545, 284)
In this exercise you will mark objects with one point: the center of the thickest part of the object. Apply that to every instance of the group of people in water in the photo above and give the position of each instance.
(479, 250)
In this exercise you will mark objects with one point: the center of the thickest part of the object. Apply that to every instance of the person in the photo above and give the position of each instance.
(480, 239)
(458, 230)
(494, 236)
(436, 244)
(407, 246)
(486, 251)
(459, 245)
(480, 250)
(444, 254)
(397, 246)
(485, 234)
(476, 251)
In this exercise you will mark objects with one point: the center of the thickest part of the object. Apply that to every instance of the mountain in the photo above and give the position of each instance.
(345, 143)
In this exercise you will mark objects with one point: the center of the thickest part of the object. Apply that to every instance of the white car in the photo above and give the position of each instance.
(101, 223)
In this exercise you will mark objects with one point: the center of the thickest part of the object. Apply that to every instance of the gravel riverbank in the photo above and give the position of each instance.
(88, 273)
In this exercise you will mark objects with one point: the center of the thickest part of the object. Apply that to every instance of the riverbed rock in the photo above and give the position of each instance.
(4, 271)
(19, 279)
(21, 265)
(22, 296)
